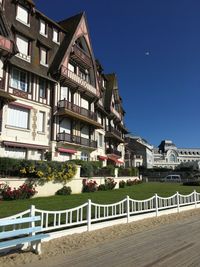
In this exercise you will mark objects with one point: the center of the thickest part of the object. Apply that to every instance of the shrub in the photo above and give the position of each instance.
(22, 192)
(133, 182)
(89, 186)
(109, 185)
(66, 190)
(122, 184)
(44, 170)
(192, 183)
(128, 171)
(88, 168)
(102, 187)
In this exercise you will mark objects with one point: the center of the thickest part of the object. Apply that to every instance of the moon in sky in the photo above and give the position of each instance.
(147, 53)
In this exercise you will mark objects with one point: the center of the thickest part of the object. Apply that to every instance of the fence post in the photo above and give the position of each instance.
(128, 208)
(156, 204)
(89, 215)
(195, 198)
(32, 214)
(178, 204)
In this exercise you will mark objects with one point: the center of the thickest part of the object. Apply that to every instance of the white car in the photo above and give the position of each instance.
(172, 178)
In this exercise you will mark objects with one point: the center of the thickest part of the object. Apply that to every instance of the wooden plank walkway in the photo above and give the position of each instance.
(174, 245)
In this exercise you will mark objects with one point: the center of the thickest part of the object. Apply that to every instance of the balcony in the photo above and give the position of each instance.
(81, 56)
(112, 132)
(67, 108)
(77, 140)
(6, 46)
(116, 113)
(24, 57)
(74, 80)
(115, 152)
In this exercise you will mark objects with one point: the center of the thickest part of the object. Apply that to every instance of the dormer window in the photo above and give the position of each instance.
(56, 37)
(23, 47)
(22, 15)
(43, 28)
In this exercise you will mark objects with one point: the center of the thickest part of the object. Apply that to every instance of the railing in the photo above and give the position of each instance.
(5, 44)
(89, 214)
(78, 80)
(113, 131)
(77, 51)
(76, 140)
(24, 57)
(80, 110)
(116, 113)
(113, 151)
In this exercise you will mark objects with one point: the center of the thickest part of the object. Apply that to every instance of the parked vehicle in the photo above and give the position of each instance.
(173, 178)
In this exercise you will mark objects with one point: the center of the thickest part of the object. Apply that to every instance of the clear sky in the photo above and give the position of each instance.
(154, 47)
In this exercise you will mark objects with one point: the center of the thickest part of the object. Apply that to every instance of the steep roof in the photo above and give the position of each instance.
(69, 25)
(110, 85)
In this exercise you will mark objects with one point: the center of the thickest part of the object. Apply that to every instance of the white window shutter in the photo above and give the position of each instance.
(22, 44)
(22, 14)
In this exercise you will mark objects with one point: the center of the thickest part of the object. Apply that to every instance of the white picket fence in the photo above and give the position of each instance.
(91, 216)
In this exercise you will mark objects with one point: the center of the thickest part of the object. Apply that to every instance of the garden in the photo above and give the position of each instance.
(61, 202)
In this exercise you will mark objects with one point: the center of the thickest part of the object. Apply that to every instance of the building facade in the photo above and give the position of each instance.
(167, 155)
(138, 152)
(55, 99)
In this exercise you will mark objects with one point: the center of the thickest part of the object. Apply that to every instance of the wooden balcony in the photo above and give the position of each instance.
(76, 81)
(116, 114)
(6, 46)
(81, 56)
(114, 152)
(67, 108)
(77, 140)
(114, 133)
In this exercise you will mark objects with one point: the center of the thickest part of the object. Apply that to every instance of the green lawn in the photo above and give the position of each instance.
(141, 191)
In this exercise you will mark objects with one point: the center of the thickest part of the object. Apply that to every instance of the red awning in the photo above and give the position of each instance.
(120, 161)
(66, 150)
(15, 144)
(102, 157)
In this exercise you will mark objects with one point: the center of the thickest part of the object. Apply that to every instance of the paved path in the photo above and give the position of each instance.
(176, 244)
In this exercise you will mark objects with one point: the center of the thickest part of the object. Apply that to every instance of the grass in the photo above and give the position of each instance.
(141, 191)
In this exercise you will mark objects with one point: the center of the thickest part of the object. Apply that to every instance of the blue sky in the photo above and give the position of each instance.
(161, 88)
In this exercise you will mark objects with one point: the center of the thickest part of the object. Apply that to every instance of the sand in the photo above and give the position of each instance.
(69, 244)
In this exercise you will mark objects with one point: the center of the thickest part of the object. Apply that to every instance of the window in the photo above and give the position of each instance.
(71, 67)
(15, 152)
(19, 79)
(84, 156)
(41, 121)
(18, 117)
(84, 75)
(65, 93)
(23, 47)
(22, 15)
(43, 28)
(42, 88)
(100, 140)
(43, 56)
(56, 38)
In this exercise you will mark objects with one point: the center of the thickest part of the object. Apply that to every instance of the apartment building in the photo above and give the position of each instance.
(54, 95)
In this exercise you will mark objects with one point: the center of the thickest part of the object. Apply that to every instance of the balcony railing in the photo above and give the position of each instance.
(116, 113)
(80, 55)
(24, 57)
(78, 80)
(65, 137)
(80, 110)
(6, 44)
(113, 152)
(113, 131)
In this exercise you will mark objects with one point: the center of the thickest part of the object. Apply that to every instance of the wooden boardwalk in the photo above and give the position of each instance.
(173, 245)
